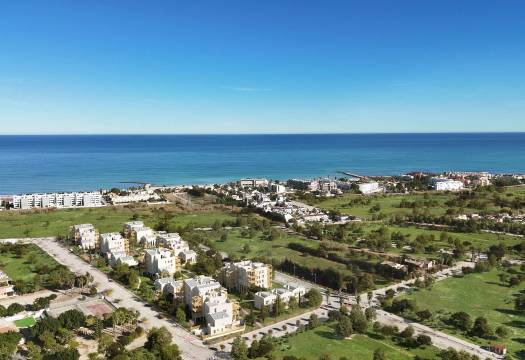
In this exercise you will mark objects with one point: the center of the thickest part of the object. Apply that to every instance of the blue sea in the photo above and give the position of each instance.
(74, 163)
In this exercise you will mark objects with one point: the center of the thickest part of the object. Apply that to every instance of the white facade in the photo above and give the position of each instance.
(131, 226)
(446, 184)
(245, 274)
(253, 182)
(370, 187)
(86, 235)
(179, 247)
(278, 188)
(169, 285)
(122, 258)
(112, 242)
(268, 298)
(160, 260)
(145, 236)
(58, 200)
(6, 288)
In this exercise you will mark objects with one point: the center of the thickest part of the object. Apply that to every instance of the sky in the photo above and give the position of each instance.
(283, 66)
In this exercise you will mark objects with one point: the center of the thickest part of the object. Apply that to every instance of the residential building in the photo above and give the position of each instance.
(300, 184)
(131, 226)
(121, 257)
(253, 182)
(179, 247)
(7, 289)
(442, 184)
(145, 236)
(169, 285)
(161, 260)
(57, 200)
(327, 185)
(113, 242)
(86, 235)
(370, 187)
(278, 188)
(209, 301)
(246, 274)
(284, 294)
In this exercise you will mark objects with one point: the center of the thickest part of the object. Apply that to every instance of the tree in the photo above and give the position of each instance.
(461, 320)
(407, 333)
(379, 354)
(344, 327)
(423, 340)
(72, 319)
(159, 343)
(502, 331)
(370, 314)
(481, 328)
(314, 297)
(64, 354)
(359, 321)
(519, 303)
(239, 349)
(292, 303)
(8, 344)
(180, 316)
(313, 321)
(34, 352)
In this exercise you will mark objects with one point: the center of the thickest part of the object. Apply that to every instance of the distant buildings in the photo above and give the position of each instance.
(57, 200)
(161, 260)
(370, 188)
(246, 274)
(441, 184)
(301, 184)
(7, 289)
(86, 235)
(253, 182)
(277, 188)
(269, 298)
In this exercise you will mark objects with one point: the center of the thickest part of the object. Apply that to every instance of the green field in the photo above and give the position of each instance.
(479, 294)
(25, 322)
(106, 219)
(389, 204)
(23, 266)
(323, 341)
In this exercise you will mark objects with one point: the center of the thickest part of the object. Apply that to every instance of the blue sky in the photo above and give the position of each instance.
(261, 66)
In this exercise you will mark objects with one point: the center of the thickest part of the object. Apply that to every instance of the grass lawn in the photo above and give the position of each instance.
(324, 341)
(106, 219)
(23, 267)
(25, 322)
(478, 295)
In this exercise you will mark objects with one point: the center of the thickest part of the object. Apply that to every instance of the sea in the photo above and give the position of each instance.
(91, 162)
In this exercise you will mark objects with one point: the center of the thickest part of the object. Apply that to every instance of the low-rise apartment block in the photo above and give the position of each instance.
(121, 257)
(161, 260)
(131, 227)
(57, 200)
(208, 301)
(269, 298)
(113, 242)
(179, 247)
(86, 235)
(7, 289)
(246, 274)
(145, 236)
(253, 182)
(442, 184)
(370, 187)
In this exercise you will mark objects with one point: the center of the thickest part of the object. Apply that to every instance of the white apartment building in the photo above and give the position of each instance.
(170, 286)
(161, 260)
(57, 200)
(112, 242)
(268, 298)
(278, 188)
(86, 235)
(442, 184)
(208, 300)
(121, 257)
(253, 182)
(245, 274)
(131, 226)
(7, 289)
(145, 236)
(179, 247)
(370, 187)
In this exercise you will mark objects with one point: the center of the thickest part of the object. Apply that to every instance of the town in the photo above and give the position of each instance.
(247, 268)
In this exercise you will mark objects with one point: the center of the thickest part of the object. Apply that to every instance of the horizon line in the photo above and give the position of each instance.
(269, 133)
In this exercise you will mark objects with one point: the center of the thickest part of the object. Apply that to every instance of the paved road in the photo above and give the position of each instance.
(190, 346)
(439, 339)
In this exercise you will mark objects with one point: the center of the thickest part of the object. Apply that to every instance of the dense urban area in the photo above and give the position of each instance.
(416, 266)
